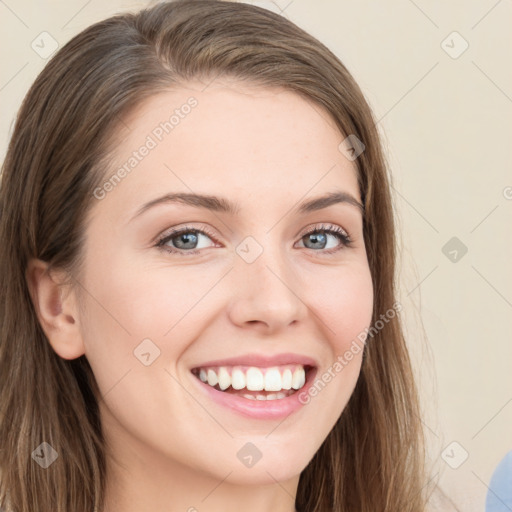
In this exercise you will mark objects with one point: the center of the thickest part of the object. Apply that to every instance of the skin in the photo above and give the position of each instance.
(268, 150)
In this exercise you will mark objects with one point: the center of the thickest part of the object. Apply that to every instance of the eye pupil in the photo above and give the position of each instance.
(185, 238)
(317, 238)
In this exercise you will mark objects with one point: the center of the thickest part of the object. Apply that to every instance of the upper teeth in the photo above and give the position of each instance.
(254, 378)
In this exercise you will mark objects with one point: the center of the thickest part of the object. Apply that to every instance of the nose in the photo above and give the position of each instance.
(266, 293)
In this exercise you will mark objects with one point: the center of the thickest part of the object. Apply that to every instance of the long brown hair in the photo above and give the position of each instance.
(373, 459)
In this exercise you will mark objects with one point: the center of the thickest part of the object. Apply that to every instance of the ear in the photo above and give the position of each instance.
(56, 307)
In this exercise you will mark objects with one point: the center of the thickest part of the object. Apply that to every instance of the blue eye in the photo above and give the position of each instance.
(319, 235)
(184, 241)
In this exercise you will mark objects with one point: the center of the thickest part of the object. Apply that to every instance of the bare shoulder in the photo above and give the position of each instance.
(440, 502)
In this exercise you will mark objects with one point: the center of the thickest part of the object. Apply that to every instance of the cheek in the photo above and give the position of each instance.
(147, 302)
(345, 304)
(127, 305)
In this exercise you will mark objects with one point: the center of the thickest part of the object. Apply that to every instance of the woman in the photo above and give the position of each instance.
(198, 310)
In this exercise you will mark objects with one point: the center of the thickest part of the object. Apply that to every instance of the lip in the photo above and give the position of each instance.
(260, 409)
(261, 361)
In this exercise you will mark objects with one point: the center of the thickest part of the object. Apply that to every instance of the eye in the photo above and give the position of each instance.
(183, 239)
(318, 236)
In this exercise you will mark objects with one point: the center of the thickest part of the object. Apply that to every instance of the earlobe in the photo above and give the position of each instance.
(56, 307)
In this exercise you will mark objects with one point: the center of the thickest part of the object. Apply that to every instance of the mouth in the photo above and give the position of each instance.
(256, 382)
(257, 386)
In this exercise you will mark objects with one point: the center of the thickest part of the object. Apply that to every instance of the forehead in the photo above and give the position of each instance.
(248, 142)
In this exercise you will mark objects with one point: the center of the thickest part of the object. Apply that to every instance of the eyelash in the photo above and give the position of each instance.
(331, 229)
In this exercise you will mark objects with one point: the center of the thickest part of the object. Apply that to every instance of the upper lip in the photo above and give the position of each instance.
(260, 360)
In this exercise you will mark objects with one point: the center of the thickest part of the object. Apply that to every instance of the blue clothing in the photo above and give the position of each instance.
(499, 495)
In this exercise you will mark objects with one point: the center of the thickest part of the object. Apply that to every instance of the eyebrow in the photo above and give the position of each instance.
(223, 205)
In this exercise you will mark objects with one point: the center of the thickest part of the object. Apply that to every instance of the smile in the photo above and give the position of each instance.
(257, 386)
(255, 383)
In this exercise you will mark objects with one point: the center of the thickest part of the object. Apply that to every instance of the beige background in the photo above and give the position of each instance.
(447, 126)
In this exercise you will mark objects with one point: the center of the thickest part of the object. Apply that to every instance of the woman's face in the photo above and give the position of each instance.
(242, 295)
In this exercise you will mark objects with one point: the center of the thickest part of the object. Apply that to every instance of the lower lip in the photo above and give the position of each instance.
(260, 409)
